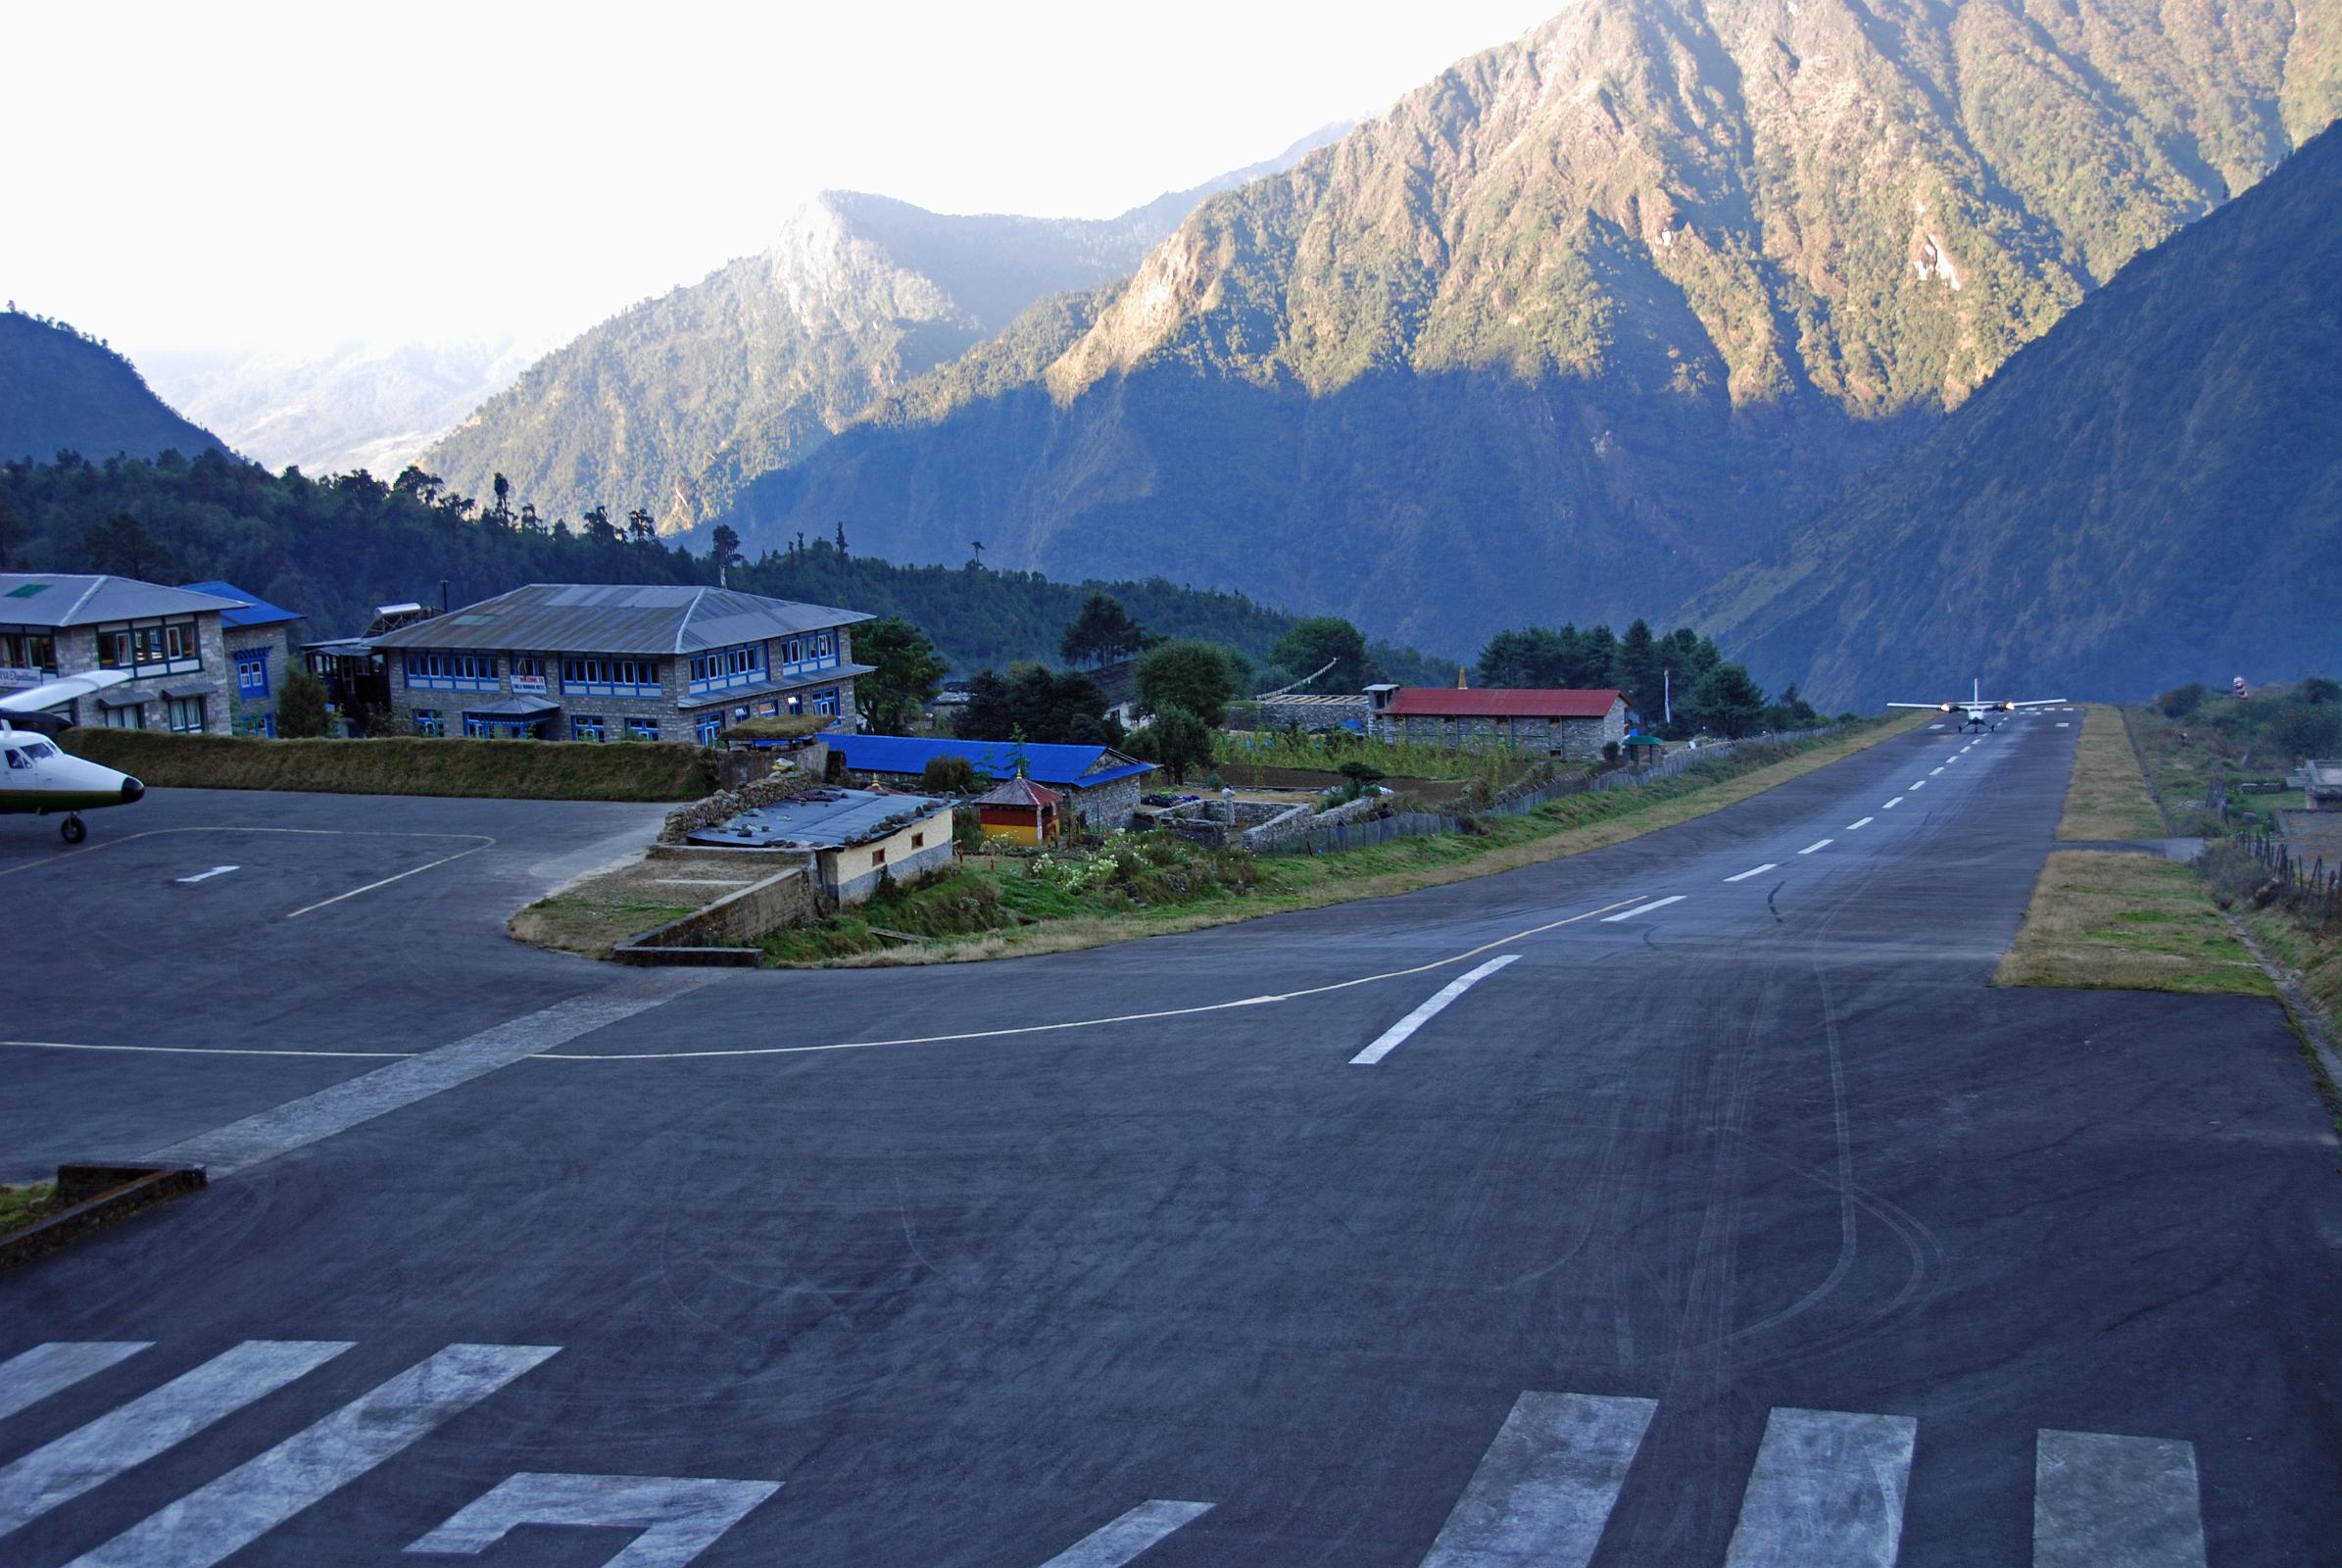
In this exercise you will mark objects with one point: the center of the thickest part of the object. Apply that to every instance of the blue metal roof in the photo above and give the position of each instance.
(255, 612)
(1068, 765)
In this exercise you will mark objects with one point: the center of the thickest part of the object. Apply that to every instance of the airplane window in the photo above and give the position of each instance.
(40, 749)
(16, 758)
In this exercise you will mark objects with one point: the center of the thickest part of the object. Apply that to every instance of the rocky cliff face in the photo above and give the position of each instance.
(1588, 319)
(673, 404)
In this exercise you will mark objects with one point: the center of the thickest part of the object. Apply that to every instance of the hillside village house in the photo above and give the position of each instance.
(261, 639)
(169, 640)
(599, 663)
(1098, 786)
(1547, 723)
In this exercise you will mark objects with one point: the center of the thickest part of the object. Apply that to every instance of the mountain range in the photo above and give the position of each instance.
(2150, 494)
(356, 405)
(673, 404)
(1587, 321)
(63, 390)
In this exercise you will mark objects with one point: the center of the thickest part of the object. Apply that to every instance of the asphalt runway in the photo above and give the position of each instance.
(1693, 1202)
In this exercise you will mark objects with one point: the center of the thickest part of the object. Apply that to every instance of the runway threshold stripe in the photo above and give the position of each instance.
(217, 1520)
(1392, 1038)
(2100, 1500)
(1864, 823)
(132, 1434)
(1817, 844)
(343, 1106)
(1827, 1492)
(1114, 1544)
(1545, 1487)
(678, 1516)
(27, 1379)
(1642, 908)
(1755, 870)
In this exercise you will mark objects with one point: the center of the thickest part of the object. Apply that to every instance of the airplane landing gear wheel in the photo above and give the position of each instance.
(72, 829)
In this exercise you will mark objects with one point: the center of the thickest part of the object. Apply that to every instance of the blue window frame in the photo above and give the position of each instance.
(252, 672)
(439, 669)
(709, 728)
(587, 727)
(429, 721)
(825, 701)
(595, 676)
(723, 668)
(642, 729)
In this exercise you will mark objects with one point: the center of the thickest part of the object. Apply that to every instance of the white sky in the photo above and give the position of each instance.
(286, 176)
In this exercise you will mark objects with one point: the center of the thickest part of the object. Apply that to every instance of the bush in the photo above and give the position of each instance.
(949, 776)
(2181, 701)
(968, 829)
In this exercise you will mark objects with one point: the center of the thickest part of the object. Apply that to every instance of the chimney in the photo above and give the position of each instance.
(1460, 683)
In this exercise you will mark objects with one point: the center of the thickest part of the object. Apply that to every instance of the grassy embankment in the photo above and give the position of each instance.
(2222, 742)
(537, 770)
(29, 1204)
(2121, 919)
(1150, 885)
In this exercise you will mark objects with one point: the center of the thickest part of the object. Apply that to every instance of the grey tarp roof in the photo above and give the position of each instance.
(83, 599)
(617, 618)
(824, 819)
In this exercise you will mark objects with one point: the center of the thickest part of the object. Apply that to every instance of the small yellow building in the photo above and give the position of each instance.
(1021, 811)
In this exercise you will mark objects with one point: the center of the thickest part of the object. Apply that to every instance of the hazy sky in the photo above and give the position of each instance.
(288, 176)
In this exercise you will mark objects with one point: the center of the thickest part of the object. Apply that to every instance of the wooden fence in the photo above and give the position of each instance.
(2310, 889)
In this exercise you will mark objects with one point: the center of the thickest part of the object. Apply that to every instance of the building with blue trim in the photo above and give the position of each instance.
(592, 662)
(260, 641)
(1102, 785)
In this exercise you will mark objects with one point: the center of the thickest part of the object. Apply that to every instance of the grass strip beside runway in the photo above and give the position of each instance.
(29, 1205)
(2108, 800)
(1041, 915)
(2110, 919)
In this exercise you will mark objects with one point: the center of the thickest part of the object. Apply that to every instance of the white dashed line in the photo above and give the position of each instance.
(1933, 772)
(1642, 908)
(1864, 823)
(1816, 845)
(1891, 804)
(1754, 870)
(206, 876)
(1918, 784)
(1392, 1038)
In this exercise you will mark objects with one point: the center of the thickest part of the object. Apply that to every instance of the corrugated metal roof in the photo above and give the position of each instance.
(1494, 702)
(825, 819)
(256, 611)
(1080, 768)
(85, 599)
(618, 619)
(1019, 792)
(795, 683)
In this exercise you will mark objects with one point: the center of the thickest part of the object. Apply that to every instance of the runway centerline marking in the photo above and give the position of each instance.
(1012, 1031)
(486, 841)
(1754, 870)
(1891, 804)
(1642, 908)
(206, 876)
(1931, 772)
(1392, 1038)
(1920, 784)
(1864, 823)
(1816, 845)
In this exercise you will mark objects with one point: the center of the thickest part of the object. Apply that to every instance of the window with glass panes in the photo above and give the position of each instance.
(184, 714)
(156, 646)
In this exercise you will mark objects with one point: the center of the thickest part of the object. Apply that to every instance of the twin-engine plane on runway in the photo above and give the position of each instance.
(1980, 714)
(39, 776)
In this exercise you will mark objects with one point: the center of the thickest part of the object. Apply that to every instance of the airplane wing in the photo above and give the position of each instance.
(2038, 701)
(33, 698)
(1941, 708)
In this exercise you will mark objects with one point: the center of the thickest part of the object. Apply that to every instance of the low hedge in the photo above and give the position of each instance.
(534, 770)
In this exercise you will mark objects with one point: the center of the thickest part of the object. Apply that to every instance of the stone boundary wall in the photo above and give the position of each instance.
(1299, 820)
(736, 923)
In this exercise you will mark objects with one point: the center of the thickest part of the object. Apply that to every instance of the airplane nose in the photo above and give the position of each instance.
(132, 790)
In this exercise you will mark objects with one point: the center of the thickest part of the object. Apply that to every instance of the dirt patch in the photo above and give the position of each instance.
(603, 908)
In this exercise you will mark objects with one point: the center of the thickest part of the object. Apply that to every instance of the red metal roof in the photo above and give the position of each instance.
(1019, 792)
(1497, 701)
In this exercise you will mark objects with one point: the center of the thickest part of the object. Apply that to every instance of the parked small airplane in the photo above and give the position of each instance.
(1980, 713)
(38, 775)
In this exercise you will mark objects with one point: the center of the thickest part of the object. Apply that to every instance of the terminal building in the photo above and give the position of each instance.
(601, 663)
(168, 641)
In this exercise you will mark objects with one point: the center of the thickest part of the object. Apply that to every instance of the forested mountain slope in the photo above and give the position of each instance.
(60, 391)
(1582, 325)
(672, 404)
(2149, 495)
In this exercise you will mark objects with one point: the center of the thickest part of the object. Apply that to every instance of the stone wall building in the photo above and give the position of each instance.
(1541, 722)
(600, 663)
(168, 640)
(851, 840)
(263, 641)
